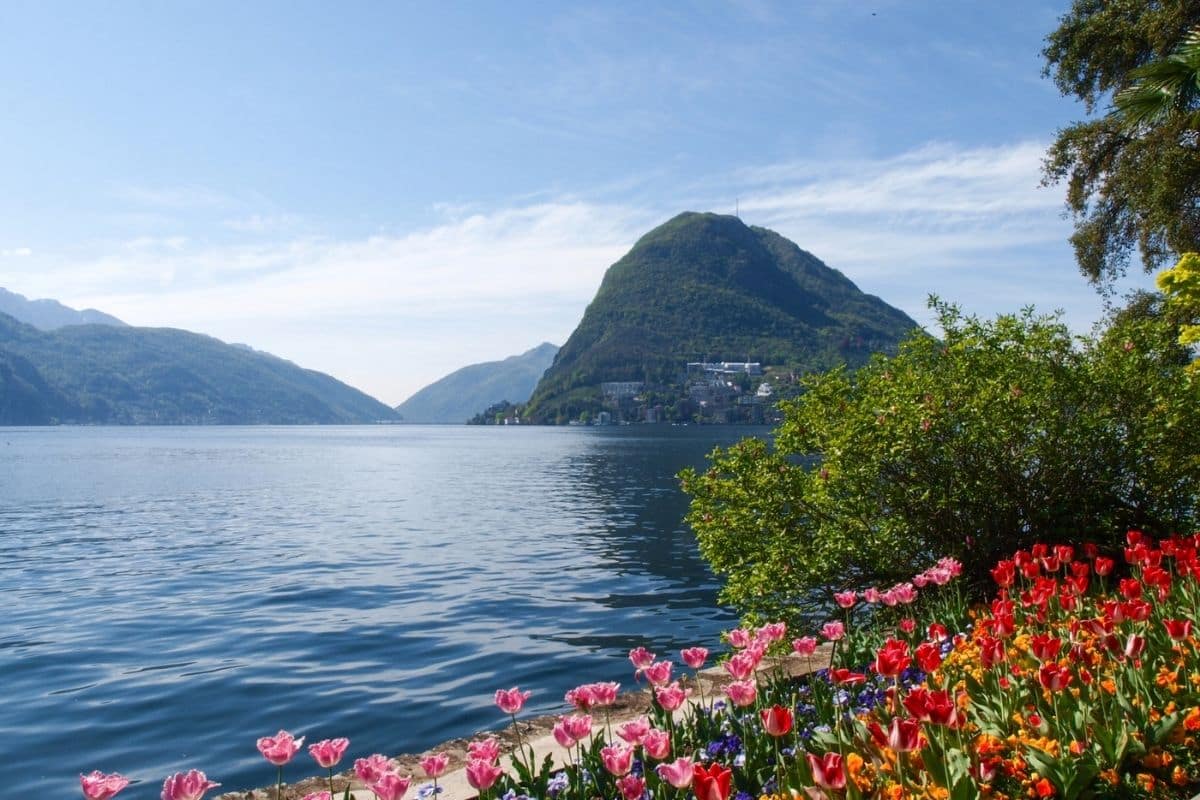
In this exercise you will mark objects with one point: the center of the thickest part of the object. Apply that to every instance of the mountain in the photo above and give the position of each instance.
(465, 392)
(102, 374)
(707, 287)
(48, 315)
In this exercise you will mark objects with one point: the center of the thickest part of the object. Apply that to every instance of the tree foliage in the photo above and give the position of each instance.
(1128, 185)
(1181, 285)
(1003, 433)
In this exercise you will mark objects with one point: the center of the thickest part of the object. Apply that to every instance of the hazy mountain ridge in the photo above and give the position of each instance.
(48, 315)
(102, 374)
(709, 287)
(468, 391)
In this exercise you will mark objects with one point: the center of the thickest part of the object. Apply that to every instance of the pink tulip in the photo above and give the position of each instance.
(740, 638)
(617, 758)
(485, 750)
(592, 695)
(187, 786)
(434, 765)
(773, 631)
(280, 748)
(632, 787)
(804, 646)
(605, 694)
(678, 773)
(579, 726)
(741, 666)
(390, 786)
(634, 730)
(659, 673)
(328, 752)
(904, 593)
(845, 599)
(742, 693)
(511, 701)
(694, 657)
(641, 658)
(482, 775)
(370, 769)
(871, 595)
(98, 786)
(319, 796)
(657, 744)
(562, 736)
(671, 697)
(833, 631)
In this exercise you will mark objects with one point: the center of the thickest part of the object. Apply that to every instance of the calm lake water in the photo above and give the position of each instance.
(174, 593)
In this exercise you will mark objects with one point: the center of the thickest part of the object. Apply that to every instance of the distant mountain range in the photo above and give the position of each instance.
(117, 374)
(48, 315)
(468, 391)
(707, 287)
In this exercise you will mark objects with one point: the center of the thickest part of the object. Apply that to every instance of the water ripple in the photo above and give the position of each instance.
(172, 594)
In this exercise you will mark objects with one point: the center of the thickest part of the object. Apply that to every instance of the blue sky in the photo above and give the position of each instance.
(387, 192)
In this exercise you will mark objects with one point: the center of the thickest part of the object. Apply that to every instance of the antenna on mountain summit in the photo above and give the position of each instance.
(736, 208)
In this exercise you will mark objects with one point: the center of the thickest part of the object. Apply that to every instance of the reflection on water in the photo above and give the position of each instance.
(175, 593)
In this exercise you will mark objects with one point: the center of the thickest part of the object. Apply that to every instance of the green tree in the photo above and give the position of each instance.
(1133, 178)
(1181, 286)
(1003, 433)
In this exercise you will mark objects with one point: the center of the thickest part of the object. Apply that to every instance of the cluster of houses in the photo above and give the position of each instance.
(721, 392)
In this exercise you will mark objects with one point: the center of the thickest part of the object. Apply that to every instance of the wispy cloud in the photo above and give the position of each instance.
(391, 312)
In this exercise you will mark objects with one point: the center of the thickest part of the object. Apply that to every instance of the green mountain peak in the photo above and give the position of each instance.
(708, 287)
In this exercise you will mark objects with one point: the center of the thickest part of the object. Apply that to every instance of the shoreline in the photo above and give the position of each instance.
(535, 731)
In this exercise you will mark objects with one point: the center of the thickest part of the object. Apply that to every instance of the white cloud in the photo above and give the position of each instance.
(17, 252)
(390, 313)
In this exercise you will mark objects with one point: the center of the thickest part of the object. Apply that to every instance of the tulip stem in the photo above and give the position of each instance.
(278, 781)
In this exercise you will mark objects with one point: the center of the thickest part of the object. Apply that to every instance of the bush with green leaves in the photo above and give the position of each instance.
(997, 435)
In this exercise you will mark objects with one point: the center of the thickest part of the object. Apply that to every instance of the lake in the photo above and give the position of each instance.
(175, 593)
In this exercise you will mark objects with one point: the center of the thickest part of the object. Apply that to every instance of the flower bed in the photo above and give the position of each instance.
(1081, 678)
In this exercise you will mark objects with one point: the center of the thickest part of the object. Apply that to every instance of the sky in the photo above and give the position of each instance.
(390, 191)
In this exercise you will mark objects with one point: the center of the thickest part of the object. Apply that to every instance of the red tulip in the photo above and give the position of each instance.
(1134, 645)
(1104, 565)
(845, 676)
(929, 656)
(1045, 647)
(776, 720)
(904, 735)
(991, 651)
(893, 658)
(711, 783)
(1178, 629)
(827, 771)
(1054, 677)
(1004, 573)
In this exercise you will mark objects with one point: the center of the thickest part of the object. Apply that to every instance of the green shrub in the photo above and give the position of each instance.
(1001, 434)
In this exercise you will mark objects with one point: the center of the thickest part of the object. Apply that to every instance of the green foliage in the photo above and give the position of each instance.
(1004, 433)
(100, 374)
(1181, 285)
(707, 287)
(1133, 179)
